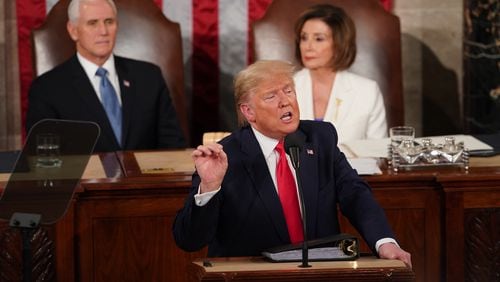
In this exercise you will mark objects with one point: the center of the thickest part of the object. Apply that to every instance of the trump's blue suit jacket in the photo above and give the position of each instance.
(149, 118)
(245, 217)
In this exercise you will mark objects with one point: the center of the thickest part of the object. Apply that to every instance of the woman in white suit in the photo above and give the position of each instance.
(326, 47)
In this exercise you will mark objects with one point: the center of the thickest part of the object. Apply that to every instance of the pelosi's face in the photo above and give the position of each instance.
(316, 45)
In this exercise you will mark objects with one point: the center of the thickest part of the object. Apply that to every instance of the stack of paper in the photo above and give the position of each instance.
(378, 148)
(365, 166)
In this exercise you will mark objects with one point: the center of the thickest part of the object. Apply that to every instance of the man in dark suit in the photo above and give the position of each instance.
(236, 206)
(141, 115)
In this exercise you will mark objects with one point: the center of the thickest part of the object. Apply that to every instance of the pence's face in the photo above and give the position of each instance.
(95, 31)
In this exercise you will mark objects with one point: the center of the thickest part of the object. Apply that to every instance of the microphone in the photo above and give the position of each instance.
(293, 145)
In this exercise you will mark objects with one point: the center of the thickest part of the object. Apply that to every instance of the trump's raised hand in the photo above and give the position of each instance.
(211, 164)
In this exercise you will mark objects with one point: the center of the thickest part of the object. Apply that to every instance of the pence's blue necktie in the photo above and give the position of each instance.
(110, 102)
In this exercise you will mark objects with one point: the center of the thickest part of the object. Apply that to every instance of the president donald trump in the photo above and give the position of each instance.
(244, 197)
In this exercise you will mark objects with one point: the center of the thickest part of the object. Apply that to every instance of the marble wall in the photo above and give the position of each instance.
(432, 64)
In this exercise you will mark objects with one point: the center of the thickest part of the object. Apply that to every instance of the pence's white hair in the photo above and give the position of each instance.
(74, 8)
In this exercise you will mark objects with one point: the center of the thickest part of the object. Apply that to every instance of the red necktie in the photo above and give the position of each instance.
(288, 196)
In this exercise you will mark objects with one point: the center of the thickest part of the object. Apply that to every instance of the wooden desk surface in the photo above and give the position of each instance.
(178, 164)
(365, 268)
(260, 264)
(100, 166)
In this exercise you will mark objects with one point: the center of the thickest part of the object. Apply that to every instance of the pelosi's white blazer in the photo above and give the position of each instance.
(356, 106)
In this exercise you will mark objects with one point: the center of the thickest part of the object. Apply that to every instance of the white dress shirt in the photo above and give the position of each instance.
(91, 69)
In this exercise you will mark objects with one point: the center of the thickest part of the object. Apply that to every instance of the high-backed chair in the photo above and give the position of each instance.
(378, 38)
(144, 33)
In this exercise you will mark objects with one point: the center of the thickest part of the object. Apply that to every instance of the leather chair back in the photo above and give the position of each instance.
(144, 33)
(378, 38)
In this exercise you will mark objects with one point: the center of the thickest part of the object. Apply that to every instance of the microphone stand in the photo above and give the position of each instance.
(294, 155)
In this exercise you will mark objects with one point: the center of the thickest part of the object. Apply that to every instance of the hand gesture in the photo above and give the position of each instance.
(211, 164)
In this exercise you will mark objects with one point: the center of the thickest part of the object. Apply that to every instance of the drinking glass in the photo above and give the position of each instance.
(400, 133)
(47, 150)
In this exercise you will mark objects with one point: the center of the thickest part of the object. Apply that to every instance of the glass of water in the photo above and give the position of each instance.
(47, 150)
(400, 133)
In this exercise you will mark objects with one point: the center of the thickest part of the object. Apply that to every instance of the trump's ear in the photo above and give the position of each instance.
(247, 112)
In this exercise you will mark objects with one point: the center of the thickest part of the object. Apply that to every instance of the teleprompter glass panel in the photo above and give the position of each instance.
(49, 168)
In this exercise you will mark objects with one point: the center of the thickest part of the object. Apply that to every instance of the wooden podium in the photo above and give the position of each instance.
(258, 269)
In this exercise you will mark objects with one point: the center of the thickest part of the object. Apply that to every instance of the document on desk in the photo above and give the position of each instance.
(365, 166)
(378, 148)
(94, 169)
(315, 254)
(336, 247)
(178, 161)
(4, 177)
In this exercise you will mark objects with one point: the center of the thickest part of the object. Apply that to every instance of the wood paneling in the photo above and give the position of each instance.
(124, 238)
(11, 259)
(472, 219)
(414, 213)
(482, 244)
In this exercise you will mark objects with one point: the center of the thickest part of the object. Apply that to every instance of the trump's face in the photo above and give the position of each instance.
(95, 30)
(272, 107)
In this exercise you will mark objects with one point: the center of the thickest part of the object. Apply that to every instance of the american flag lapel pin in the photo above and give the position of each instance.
(126, 83)
(310, 151)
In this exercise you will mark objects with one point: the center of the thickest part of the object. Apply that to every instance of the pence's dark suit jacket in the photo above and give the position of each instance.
(149, 118)
(245, 217)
